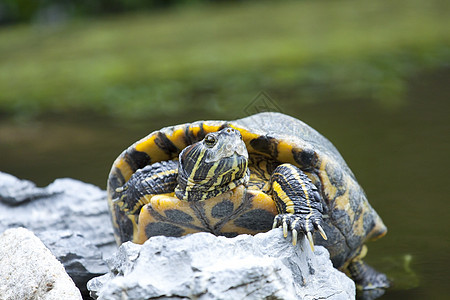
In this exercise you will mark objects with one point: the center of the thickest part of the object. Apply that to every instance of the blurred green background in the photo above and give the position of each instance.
(134, 65)
(82, 80)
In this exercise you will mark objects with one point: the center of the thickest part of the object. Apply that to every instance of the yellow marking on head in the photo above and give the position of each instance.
(282, 195)
(190, 184)
(209, 177)
(211, 172)
(234, 169)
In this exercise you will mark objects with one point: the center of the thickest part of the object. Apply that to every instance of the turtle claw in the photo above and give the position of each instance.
(285, 229)
(281, 221)
(294, 237)
(298, 223)
(275, 223)
(322, 232)
(311, 242)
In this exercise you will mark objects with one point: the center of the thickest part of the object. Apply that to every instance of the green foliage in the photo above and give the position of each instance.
(221, 57)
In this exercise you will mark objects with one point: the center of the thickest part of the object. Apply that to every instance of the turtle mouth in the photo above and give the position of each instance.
(226, 151)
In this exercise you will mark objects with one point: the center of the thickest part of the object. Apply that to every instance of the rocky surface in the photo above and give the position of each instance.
(81, 259)
(14, 191)
(28, 270)
(71, 217)
(203, 266)
(72, 220)
(66, 204)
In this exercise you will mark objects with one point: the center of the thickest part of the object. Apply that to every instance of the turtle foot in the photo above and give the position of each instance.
(366, 277)
(370, 294)
(299, 223)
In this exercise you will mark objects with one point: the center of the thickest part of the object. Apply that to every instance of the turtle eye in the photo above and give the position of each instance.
(210, 141)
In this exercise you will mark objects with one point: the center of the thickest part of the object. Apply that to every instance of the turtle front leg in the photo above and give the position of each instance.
(298, 203)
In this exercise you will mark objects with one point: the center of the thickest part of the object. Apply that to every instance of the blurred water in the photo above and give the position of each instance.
(399, 156)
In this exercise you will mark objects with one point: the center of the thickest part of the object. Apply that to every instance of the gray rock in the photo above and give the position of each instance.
(69, 204)
(14, 191)
(28, 270)
(69, 215)
(72, 219)
(203, 266)
(81, 259)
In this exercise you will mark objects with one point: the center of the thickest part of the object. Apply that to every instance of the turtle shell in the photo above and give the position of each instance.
(349, 219)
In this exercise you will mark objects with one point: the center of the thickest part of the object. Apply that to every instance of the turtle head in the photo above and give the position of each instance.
(212, 166)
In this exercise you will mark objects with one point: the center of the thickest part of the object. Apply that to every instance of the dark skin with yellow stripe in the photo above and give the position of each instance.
(244, 177)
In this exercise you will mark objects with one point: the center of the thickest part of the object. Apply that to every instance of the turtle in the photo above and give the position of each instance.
(245, 176)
